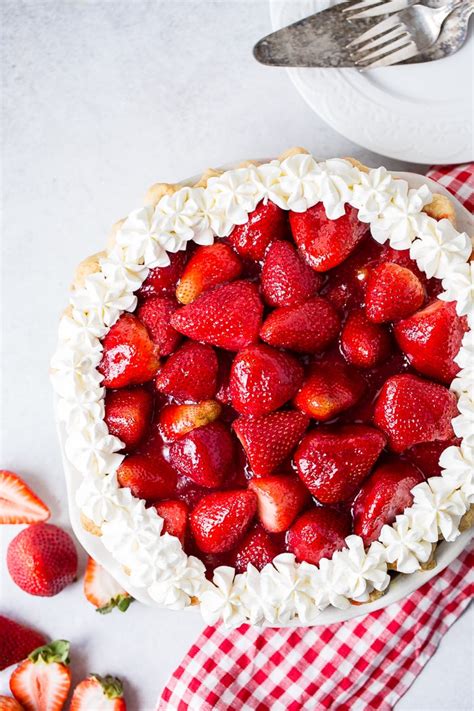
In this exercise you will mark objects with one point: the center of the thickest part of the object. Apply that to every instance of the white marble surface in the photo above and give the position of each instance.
(100, 99)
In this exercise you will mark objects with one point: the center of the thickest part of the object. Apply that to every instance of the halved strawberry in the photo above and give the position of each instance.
(147, 477)
(42, 682)
(155, 313)
(393, 292)
(330, 388)
(205, 454)
(103, 591)
(227, 316)
(269, 440)
(318, 533)
(163, 280)
(210, 265)
(221, 519)
(386, 493)
(178, 420)
(333, 461)
(18, 503)
(286, 278)
(265, 224)
(16, 642)
(8, 703)
(431, 338)
(326, 243)
(257, 549)
(262, 379)
(426, 455)
(175, 516)
(190, 373)
(411, 410)
(279, 501)
(98, 692)
(128, 413)
(129, 355)
(304, 328)
(364, 343)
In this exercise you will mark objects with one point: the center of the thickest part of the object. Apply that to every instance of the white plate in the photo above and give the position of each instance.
(420, 113)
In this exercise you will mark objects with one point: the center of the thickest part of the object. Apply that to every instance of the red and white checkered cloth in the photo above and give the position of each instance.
(364, 664)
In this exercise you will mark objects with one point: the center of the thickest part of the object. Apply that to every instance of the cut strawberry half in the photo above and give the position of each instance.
(393, 292)
(8, 703)
(304, 328)
(286, 278)
(18, 503)
(257, 549)
(364, 344)
(178, 420)
(175, 516)
(103, 591)
(279, 501)
(98, 692)
(220, 520)
(43, 680)
(330, 388)
(209, 266)
(155, 313)
(265, 224)
(147, 477)
(317, 534)
(163, 280)
(190, 373)
(204, 455)
(129, 355)
(128, 414)
(16, 642)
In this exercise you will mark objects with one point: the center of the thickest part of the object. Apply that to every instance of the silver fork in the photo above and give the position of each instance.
(400, 36)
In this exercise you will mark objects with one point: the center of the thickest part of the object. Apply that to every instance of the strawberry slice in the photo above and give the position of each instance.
(262, 379)
(190, 373)
(103, 591)
(178, 420)
(325, 243)
(209, 266)
(16, 642)
(333, 461)
(265, 224)
(220, 520)
(163, 280)
(257, 549)
(18, 503)
(43, 680)
(227, 316)
(147, 477)
(364, 344)
(317, 534)
(269, 440)
(426, 455)
(330, 388)
(411, 410)
(128, 413)
(393, 292)
(431, 339)
(98, 692)
(386, 493)
(286, 278)
(304, 328)
(279, 501)
(129, 355)
(175, 516)
(204, 455)
(155, 313)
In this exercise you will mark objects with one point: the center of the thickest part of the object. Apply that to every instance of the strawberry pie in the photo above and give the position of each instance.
(265, 384)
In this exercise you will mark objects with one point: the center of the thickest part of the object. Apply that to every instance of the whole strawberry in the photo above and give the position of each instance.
(16, 642)
(304, 328)
(42, 559)
(129, 355)
(286, 278)
(265, 224)
(318, 533)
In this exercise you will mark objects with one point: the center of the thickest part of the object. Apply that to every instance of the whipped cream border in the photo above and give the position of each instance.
(284, 591)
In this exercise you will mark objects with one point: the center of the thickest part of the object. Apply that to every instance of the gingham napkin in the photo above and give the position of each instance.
(363, 664)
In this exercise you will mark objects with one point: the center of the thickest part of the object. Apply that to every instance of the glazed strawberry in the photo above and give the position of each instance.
(386, 493)
(155, 313)
(175, 516)
(227, 316)
(411, 410)
(98, 692)
(128, 414)
(178, 420)
(18, 503)
(286, 278)
(147, 477)
(346, 285)
(265, 224)
(42, 559)
(392, 292)
(304, 328)
(270, 439)
(333, 461)
(220, 520)
(129, 355)
(317, 534)
(16, 642)
(262, 379)
(8, 703)
(364, 343)
(325, 243)
(426, 455)
(209, 266)
(280, 499)
(330, 388)
(190, 373)
(103, 591)
(204, 455)
(163, 280)
(189, 492)
(42, 682)
(257, 549)
(431, 338)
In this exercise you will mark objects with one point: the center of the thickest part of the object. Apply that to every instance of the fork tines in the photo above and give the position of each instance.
(388, 42)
